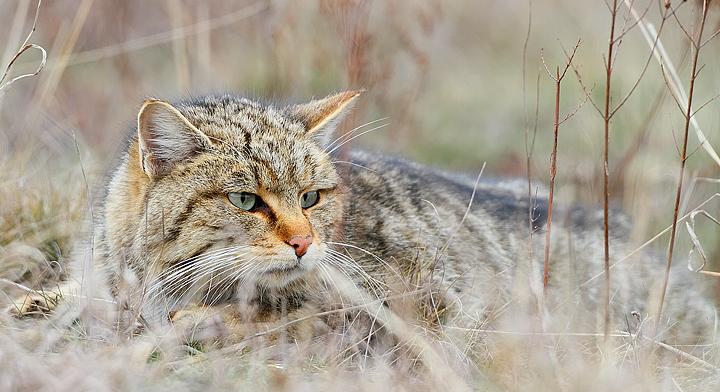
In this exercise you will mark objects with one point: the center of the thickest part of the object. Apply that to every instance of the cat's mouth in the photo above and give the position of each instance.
(285, 269)
(282, 275)
(281, 270)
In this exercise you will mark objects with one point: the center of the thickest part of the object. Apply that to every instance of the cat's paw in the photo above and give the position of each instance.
(200, 325)
(38, 304)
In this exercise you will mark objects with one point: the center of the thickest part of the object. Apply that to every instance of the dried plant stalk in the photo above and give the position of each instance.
(558, 78)
(695, 47)
(606, 171)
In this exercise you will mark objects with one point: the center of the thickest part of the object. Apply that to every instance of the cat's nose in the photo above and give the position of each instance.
(300, 244)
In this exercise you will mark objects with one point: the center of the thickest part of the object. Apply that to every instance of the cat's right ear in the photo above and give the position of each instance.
(166, 138)
(320, 117)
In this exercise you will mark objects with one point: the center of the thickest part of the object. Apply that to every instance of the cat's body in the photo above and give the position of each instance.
(213, 204)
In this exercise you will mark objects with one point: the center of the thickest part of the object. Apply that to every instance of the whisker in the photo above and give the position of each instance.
(350, 132)
(176, 289)
(195, 268)
(197, 274)
(231, 278)
(330, 281)
(375, 284)
(357, 136)
(377, 258)
(358, 165)
(347, 262)
(196, 262)
(191, 262)
(199, 285)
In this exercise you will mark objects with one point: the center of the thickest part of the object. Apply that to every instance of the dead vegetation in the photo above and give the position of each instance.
(446, 75)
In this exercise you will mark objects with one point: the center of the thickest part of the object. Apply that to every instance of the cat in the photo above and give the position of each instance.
(223, 205)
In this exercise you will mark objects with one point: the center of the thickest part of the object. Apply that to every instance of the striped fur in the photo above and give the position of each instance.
(168, 228)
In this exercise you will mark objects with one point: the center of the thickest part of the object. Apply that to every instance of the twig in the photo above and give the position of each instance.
(587, 91)
(607, 114)
(683, 354)
(24, 47)
(647, 61)
(709, 101)
(683, 157)
(606, 171)
(22, 287)
(558, 78)
(690, 226)
(674, 81)
(529, 140)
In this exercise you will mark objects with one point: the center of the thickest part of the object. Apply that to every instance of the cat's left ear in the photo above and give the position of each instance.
(320, 117)
(166, 138)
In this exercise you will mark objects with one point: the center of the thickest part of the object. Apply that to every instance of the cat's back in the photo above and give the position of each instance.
(395, 188)
(423, 216)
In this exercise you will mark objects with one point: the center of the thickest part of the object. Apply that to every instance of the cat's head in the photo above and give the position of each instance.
(248, 189)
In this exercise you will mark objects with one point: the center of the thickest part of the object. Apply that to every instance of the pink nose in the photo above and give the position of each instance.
(300, 243)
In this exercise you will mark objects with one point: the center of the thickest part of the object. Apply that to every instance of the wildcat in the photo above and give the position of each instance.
(225, 204)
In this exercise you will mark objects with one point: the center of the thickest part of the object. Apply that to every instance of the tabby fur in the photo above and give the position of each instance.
(168, 239)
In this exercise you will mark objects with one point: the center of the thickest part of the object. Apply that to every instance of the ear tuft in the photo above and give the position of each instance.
(166, 137)
(321, 117)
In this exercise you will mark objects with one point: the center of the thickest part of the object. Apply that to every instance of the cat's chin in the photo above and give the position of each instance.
(278, 278)
(282, 271)
(283, 274)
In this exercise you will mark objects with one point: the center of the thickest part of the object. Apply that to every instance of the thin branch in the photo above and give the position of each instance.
(24, 47)
(705, 104)
(675, 142)
(713, 35)
(696, 149)
(19, 54)
(683, 160)
(553, 173)
(558, 78)
(606, 171)
(669, 84)
(585, 90)
(682, 28)
(697, 245)
(529, 141)
(542, 59)
(569, 58)
(639, 18)
(625, 30)
(574, 111)
(607, 5)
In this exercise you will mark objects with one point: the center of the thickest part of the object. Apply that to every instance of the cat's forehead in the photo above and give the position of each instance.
(279, 166)
(240, 121)
(268, 145)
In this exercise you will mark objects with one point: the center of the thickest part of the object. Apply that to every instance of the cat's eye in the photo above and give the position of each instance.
(309, 199)
(244, 200)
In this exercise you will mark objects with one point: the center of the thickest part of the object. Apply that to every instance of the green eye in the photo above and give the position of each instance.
(309, 199)
(243, 200)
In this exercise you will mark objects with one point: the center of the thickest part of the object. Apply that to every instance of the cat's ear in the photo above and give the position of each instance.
(320, 117)
(166, 137)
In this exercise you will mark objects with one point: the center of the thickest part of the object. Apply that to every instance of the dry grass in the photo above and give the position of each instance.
(442, 72)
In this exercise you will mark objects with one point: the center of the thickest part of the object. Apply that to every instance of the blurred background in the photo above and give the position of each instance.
(462, 83)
